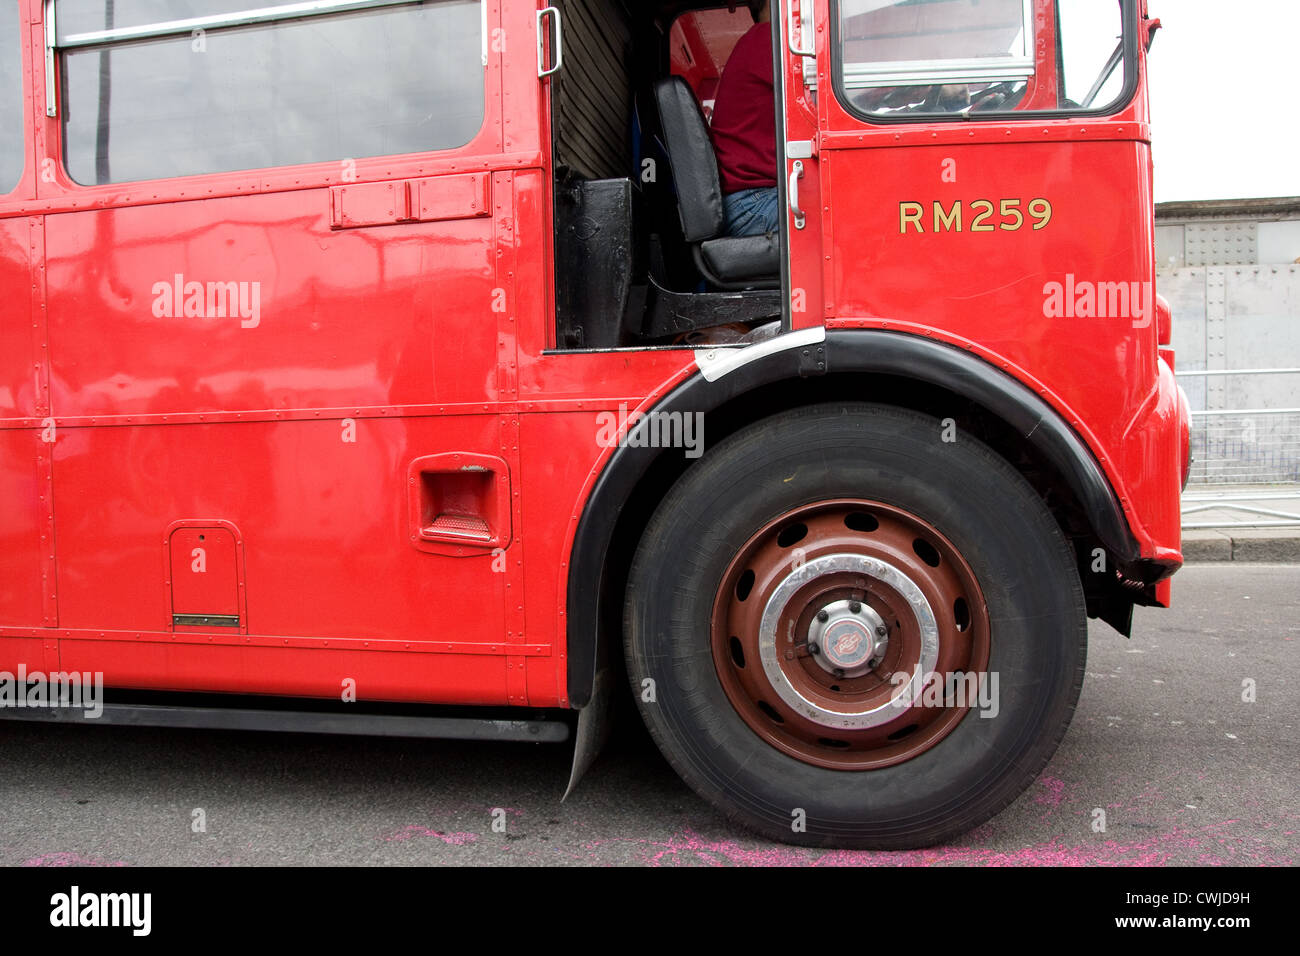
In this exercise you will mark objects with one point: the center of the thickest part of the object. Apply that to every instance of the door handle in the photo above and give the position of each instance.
(459, 504)
(796, 174)
(557, 31)
(792, 22)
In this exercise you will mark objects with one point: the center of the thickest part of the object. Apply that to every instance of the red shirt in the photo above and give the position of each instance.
(744, 115)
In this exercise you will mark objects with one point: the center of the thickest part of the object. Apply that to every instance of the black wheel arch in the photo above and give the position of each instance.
(798, 368)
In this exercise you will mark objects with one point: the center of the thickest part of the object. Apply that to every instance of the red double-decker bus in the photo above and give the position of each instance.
(387, 367)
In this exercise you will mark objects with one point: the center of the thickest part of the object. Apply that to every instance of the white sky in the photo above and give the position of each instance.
(1223, 99)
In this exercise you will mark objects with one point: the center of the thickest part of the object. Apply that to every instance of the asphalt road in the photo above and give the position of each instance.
(1184, 769)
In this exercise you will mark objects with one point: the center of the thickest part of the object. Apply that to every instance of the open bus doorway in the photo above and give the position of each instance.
(642, 254)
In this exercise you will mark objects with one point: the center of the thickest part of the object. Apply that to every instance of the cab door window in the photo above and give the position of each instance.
(927, 59)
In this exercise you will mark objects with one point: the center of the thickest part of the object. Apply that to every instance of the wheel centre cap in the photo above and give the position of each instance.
(848, 636)
(847, 644)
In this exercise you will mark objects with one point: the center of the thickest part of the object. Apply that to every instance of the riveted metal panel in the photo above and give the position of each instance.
(1222, 243)
(1216, 349)
(1171, 251)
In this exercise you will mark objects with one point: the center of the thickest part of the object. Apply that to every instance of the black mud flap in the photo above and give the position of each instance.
(593, 729)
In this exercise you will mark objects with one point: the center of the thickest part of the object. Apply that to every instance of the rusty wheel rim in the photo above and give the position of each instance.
(850, 634)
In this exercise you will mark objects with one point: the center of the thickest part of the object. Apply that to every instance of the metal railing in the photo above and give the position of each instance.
(1248, 445)
(1244, 503)
(1244, 446)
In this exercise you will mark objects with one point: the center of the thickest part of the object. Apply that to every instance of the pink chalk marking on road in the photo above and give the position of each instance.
(67, 859)
(689, 848)
(1053, 792)
(414, 830)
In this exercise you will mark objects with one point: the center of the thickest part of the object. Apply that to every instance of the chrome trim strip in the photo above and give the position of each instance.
(206, 620)
(288, 11)
(714, 363)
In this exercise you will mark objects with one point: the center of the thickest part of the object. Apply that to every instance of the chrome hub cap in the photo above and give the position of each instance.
(832, 625)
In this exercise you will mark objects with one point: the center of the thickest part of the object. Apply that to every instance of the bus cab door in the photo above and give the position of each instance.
(794, 23)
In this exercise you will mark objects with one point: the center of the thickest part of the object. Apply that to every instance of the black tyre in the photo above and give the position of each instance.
(850, 626)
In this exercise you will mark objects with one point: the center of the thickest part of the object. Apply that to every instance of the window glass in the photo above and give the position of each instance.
(1090, 48)
(397, 79)
(13, 149)
(928, 58)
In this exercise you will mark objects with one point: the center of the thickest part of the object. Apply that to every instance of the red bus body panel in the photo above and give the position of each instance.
(124, 434)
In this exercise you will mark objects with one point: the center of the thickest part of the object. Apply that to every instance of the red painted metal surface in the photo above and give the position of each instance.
(403, 309)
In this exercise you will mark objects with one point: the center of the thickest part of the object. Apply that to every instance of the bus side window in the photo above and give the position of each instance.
(389, 81)
(13, 150)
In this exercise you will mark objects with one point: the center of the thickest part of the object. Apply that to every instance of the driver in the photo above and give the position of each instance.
(744, 131)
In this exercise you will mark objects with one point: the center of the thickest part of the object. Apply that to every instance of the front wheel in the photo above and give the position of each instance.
(849, 626)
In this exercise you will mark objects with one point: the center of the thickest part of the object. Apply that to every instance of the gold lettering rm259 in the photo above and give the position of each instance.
(979, 215)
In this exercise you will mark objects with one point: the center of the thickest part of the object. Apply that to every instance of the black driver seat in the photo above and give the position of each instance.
(750, 262)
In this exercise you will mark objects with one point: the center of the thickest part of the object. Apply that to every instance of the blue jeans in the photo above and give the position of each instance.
(753, 212)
